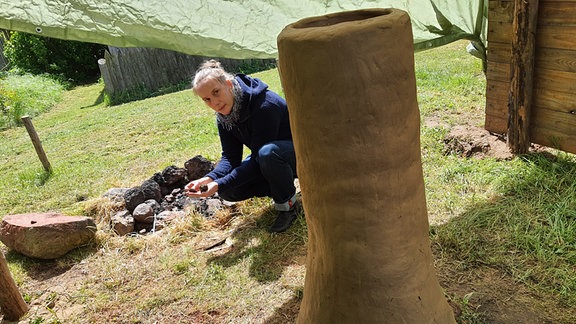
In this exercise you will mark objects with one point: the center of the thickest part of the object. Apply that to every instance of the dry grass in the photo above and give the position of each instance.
(228, 269)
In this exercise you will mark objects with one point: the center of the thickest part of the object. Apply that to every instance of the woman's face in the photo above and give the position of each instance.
(216, 95)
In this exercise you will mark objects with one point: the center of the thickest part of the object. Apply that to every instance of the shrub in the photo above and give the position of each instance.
(10, 108)
(26, 95)
(69, 60)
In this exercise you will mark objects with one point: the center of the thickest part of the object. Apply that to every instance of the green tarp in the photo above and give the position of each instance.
(225, 28)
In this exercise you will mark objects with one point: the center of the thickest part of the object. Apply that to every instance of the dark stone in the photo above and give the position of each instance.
(151, 190)
(197, 167)
(175, 176)
(164, 187)
(158, 178)
(171, 178)
(133, 197)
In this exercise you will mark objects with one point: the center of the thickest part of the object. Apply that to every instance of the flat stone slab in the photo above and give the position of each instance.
(46, 235)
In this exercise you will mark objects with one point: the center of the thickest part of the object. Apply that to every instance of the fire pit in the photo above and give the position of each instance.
(161, 199)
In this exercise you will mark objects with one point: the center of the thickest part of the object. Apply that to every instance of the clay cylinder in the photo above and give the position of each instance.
(350, 86)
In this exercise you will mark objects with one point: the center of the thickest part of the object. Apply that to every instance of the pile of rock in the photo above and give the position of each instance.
(161, 199)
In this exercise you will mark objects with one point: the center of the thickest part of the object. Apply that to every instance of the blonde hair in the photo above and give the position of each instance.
(210, 69)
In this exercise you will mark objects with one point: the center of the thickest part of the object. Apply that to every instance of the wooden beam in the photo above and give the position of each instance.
(12, 304)
(522, 70)
(37, 144)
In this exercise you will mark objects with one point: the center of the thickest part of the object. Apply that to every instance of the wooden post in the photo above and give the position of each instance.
(12, 304)
(522, 70)
(105, 73)
(37, 144)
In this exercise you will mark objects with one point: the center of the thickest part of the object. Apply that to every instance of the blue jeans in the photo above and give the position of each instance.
(277, 162)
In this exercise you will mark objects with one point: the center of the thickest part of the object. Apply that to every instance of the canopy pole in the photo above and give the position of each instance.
(522, 70)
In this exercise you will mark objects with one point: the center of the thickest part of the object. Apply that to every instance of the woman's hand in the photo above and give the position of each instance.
(203, 187)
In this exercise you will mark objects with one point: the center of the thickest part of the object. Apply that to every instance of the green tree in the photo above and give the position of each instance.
(71, 60)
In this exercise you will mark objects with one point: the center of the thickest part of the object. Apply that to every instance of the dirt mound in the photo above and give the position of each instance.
(471, 141)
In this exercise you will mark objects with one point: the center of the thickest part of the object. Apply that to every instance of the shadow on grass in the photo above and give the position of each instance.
(516, 250)
(99, 100)
(36, 177)
(42, 177)
(269, 253)
(40, 270)
(287, 313)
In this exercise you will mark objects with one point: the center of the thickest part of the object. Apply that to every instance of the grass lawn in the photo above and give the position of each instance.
(502, 231)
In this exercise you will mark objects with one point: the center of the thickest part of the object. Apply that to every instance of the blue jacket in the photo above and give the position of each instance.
(263, 119)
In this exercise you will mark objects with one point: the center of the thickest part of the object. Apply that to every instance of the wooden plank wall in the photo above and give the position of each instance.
(3, 61)
(125, 69)
(553, 118)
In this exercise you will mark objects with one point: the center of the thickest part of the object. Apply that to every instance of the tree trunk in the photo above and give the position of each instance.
(350, 85)
(11, 303)
(522, 70)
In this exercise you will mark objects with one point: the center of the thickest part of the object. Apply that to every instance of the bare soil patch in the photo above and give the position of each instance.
(475, 142)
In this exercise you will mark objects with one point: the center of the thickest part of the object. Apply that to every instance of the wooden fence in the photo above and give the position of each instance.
(553, 107)
(125, 69)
